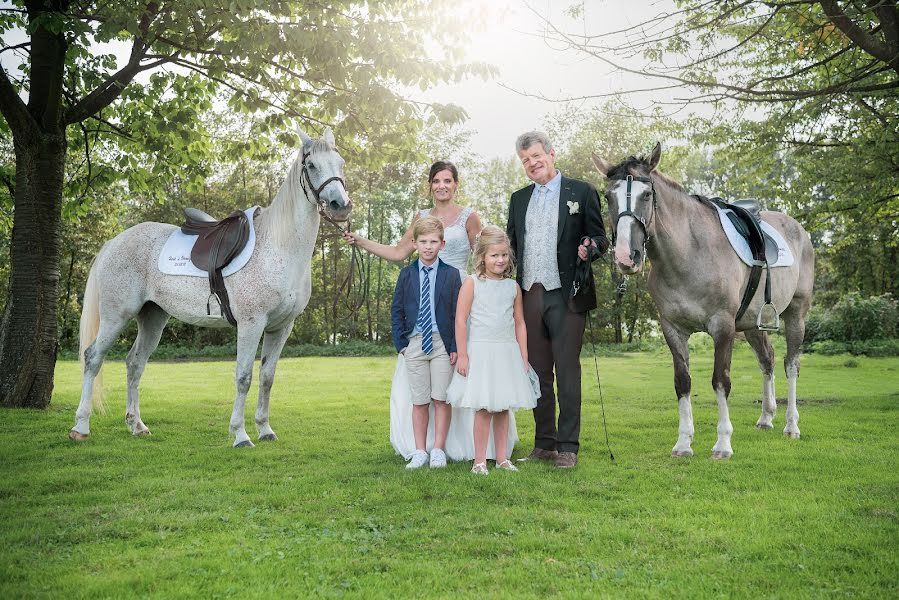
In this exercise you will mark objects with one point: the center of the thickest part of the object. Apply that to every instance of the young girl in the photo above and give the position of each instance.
(492, 371)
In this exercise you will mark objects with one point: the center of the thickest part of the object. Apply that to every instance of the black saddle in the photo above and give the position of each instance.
(744, 214)
(217, 244)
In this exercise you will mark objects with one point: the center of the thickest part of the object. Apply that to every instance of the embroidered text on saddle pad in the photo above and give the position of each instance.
(175, 256)
(784, 256)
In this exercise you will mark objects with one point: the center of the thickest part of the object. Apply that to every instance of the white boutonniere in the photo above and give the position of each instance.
(573, 207)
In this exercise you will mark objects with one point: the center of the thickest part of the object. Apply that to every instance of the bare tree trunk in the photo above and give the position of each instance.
(334, 295)
(324, 291)
(380, 266)
(66, 333)
(633, 323)
(29, 334)
(616, 311)
(368, 267)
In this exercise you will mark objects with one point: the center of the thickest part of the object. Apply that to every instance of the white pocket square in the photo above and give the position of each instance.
(573, 207)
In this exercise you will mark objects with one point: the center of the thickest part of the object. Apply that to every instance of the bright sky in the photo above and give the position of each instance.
(513, 42)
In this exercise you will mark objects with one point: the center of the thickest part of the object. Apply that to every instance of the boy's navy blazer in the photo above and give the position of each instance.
(406, 299)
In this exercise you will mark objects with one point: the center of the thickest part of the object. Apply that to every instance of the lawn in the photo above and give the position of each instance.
(328, 509)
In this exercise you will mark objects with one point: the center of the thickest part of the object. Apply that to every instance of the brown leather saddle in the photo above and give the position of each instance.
(217, 244)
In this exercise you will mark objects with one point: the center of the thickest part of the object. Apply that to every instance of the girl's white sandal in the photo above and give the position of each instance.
(480, 469)
(506, 465)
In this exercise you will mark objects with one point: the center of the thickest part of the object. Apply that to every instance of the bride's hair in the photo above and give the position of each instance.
(490, 236)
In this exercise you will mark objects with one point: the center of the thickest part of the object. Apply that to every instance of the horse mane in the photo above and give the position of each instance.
(283, 207)
(632, 165)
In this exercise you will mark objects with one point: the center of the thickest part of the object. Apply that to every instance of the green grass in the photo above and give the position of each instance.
(328, 510)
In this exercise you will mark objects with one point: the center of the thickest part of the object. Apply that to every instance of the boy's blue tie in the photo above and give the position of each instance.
(424, 313)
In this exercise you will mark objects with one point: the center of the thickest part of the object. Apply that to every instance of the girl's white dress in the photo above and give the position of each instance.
(497, 379)
(460, 439)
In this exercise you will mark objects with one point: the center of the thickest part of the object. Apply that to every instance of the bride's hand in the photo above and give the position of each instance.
(350, 237)
(462, 364)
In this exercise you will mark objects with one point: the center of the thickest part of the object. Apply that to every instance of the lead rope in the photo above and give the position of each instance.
(357, 277)
(602, 404)
(585, 269)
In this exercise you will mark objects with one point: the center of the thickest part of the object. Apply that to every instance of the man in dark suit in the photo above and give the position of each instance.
(553, 223)
(423, 316)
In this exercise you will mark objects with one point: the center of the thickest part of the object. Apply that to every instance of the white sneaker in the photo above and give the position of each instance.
(418, 460)
(438, 458)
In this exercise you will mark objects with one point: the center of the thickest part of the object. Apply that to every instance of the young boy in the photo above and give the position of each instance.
(423, 314)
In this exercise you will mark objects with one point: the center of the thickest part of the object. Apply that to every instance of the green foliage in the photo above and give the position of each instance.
(328, 510)
(854, 318)
(876, 347)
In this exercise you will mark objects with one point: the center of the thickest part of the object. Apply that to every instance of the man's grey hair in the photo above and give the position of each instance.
(526, 140)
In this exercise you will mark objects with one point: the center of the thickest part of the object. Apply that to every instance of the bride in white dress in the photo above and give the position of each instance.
(461, 226)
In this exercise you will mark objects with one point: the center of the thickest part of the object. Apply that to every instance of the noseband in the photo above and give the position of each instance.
(309, 187)
(629, 208)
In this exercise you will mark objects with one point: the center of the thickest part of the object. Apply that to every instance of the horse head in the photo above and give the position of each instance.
(630, 194)
(322, 178)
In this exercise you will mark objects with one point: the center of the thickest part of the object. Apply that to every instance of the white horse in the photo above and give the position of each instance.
(266, 294)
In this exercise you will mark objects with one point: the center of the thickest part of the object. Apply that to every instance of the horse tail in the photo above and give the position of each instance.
(88, 329)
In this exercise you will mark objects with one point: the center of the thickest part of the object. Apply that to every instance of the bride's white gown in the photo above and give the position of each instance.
(460, 440)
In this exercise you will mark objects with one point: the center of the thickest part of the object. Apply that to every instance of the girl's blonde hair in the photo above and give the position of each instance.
(490, 236)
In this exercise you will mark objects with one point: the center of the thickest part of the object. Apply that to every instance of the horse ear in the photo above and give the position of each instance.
(303, 137)
(655, 157)
(329, 137)
(601, 165)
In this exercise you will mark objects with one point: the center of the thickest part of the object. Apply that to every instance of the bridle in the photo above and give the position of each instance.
(629, 208)
(629, 212)
(310, 189)
(357, 278)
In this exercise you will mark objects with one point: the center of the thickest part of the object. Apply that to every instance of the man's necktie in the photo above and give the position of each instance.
(424, 313)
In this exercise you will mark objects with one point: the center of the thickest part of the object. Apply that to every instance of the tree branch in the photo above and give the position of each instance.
(112, 88)
(14, 110)
(855, 33)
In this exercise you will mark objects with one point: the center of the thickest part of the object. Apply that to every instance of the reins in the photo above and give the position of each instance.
(356, 278)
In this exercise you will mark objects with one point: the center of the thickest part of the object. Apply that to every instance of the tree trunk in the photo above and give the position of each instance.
(29, 333)
(367, 260)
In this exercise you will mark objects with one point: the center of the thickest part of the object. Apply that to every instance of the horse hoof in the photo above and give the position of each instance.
(268, 437)
(793, 435)
(78, 436)
(681, 453)
(142, 433)
(721, 455)
(245, 444)
(764, 426)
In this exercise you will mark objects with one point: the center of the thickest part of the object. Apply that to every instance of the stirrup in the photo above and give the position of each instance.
(221, 314)
(768, 319)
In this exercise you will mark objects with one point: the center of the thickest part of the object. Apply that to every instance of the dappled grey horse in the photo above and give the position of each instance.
(697, 282)
(266, 295)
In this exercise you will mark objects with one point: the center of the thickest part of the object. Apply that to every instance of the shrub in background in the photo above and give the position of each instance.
(854, 318)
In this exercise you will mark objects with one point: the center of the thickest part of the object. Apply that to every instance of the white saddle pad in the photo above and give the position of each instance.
(175, 256)
(741, 246)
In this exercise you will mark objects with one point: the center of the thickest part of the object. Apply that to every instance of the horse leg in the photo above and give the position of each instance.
(151, 320)
(765, 355)
(109, 330)
(722, 332)
(680, 353)
(794, 328)
(247, 343)
(272, 344)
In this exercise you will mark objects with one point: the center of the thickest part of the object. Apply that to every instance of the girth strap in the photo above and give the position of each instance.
(756, 240)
